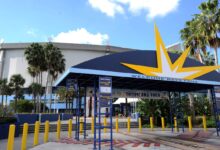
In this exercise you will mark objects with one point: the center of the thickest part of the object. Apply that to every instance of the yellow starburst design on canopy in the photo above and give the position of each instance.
(165, 68)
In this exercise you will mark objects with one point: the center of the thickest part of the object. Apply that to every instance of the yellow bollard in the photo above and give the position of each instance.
(175, 124)
(24, 137)
(116, 125)
(129, 124)
(163, 123)
(70, 128)
(92, 125)
(36, 133)
(105, 124)
(204, 123)
(46, 131)
(58, 129)
(190, 123)
(81, 126)
(151, 123)
(11, 136)
(140, 124)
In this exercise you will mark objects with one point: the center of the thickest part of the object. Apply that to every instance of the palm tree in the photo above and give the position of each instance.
(192, 37)
(61, 93)
(55, 64)
(17, 83)
(203, 30)
(37, 90)
(3, 84)
(66, 95)
(5, 90)
(33, 72)
(209, 19)
(36, 60)
(208, 59)
(70, 94)
(8, 91)
(44, 58)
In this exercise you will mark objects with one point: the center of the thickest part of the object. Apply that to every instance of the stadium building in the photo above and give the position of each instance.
(12, 61)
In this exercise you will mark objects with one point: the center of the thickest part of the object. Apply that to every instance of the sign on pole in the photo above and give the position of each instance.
(105, 91)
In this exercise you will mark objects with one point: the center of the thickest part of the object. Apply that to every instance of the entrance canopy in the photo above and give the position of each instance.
(139, 70)
(146, 70)
(126, 78)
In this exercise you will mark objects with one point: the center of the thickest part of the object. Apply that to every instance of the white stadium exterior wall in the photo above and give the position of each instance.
(13, 60)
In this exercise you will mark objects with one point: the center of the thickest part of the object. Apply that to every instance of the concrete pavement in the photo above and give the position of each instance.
(157, 139)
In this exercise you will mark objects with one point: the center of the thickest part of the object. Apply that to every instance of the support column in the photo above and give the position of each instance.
(126, 103)
(171, 111)
(180, 112)
(78, 107)
(84, 112)
(95, 114)
(215, 110)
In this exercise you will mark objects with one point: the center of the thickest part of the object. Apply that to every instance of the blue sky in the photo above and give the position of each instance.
(125, 23)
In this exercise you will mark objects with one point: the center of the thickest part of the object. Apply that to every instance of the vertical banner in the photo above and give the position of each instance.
(105, 91)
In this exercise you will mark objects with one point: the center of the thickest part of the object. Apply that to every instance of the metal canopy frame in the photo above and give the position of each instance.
(88, 80)
(91, 80)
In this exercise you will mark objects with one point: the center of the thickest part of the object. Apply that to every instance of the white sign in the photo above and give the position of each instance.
(104, 89)
(127, 93)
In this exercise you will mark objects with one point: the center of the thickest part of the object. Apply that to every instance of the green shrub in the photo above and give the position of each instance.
(23, 106)
(210, 123)
(146, 126)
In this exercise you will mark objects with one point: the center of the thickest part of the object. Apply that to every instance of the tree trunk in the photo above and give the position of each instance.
(2, 101)
(191, 105)
(50, 100)
(216, 55)
(16, 104)
(33, 99)
(39, 101)
(40, 93)
(72, 105)
(90, 106)
(41, 78)
(6, 101)
(35, 109)
(66, 105)
(199, 57)
(45, 96)
(209, 95)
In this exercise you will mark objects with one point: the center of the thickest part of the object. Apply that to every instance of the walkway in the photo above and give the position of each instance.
(157, 140)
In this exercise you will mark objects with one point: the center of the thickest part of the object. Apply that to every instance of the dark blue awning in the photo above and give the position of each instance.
(124, 77)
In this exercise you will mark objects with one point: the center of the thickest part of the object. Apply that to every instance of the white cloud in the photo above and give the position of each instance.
(81, 35)
(108, 7)
(32, 32)
(1, 40)
(153, 8)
